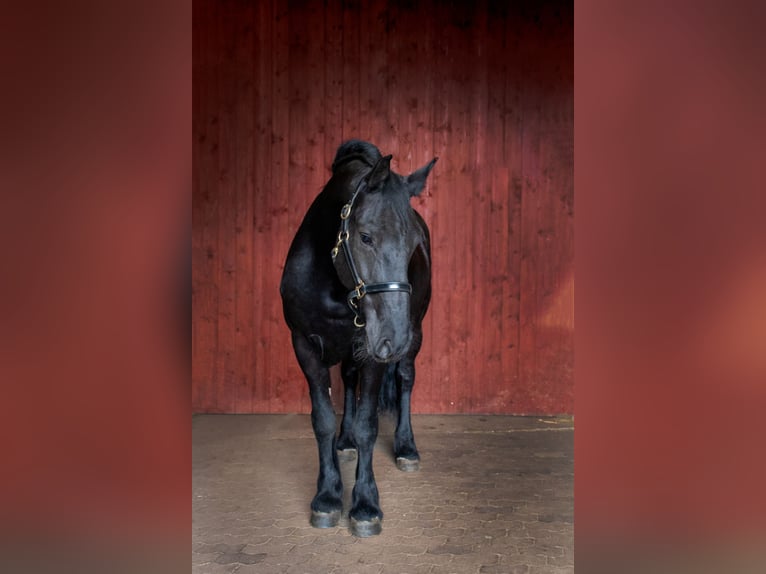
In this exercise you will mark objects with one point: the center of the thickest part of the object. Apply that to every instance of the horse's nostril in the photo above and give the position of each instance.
(384, 349)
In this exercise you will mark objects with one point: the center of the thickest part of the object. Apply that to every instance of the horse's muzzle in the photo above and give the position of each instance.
(385, 350)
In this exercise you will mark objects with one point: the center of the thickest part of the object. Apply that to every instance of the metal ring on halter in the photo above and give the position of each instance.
(356, 318)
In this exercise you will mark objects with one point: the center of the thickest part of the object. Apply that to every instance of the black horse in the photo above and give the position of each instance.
(355, 289)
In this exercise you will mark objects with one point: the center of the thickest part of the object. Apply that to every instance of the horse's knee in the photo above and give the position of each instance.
(365, 432)
(323, 423)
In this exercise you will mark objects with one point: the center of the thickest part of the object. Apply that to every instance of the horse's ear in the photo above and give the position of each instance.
(416, 181)
(379, 173)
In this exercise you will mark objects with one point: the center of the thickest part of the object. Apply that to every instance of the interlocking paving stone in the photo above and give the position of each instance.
(493, 495)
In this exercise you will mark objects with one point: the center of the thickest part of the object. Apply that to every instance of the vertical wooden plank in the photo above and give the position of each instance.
(351, 70)
(479, 296)
(196, 158)
(206, 289)
(333, 88)
(317, 104)
(497, 273)
(392, 112)
(365, 22)
(283, 370)
(533, 219)
(404, 82)
(555, 348)
(461, 258)
(504, 399)
(289, 377)
(442, 242)
(212, 239)
(263, 71)
(243, 211)
(227, 198)
(564, 200)
(563, 194)
(426, 382)
(377, 117)
(204, 208)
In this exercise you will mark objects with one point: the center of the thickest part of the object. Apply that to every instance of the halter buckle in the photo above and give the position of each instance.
(346, 211)
(360, 290)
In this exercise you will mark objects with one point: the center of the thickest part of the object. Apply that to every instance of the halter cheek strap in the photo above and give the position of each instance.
(361, 288)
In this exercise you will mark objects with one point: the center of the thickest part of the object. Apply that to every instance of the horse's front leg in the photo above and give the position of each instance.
(328, 502)
(405, 451)
(350, 373)
(365, 515)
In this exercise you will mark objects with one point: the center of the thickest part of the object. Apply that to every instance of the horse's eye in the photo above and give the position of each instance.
(366, 239)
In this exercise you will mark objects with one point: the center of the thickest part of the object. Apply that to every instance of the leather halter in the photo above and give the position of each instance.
(361, 288)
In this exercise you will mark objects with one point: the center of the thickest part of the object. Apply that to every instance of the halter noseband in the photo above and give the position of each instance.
(361, 288)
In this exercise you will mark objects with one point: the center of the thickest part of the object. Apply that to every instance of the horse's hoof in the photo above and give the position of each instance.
(366, 528)
(347, 454)
(324, 519)
(407, 464)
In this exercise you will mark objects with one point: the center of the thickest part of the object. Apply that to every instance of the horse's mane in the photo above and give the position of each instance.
(356, 149)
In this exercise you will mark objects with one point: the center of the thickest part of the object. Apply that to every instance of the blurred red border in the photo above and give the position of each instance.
(671, 271)
(95, 219)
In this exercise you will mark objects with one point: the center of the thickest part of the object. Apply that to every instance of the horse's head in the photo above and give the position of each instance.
(383, 233)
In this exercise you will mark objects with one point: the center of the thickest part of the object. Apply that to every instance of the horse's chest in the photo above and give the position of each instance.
(332, 345)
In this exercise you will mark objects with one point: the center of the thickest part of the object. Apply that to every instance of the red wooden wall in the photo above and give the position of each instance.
(485, 86)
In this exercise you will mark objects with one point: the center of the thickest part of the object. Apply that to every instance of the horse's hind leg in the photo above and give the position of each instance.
(350, 374)
(405, 451)
(327, 504)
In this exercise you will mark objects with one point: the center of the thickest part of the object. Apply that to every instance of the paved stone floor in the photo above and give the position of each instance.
(494, 494)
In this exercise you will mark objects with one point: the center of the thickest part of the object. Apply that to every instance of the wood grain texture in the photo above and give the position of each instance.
(487, 87)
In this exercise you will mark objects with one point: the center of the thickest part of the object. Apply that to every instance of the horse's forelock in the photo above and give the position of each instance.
(356, 149)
